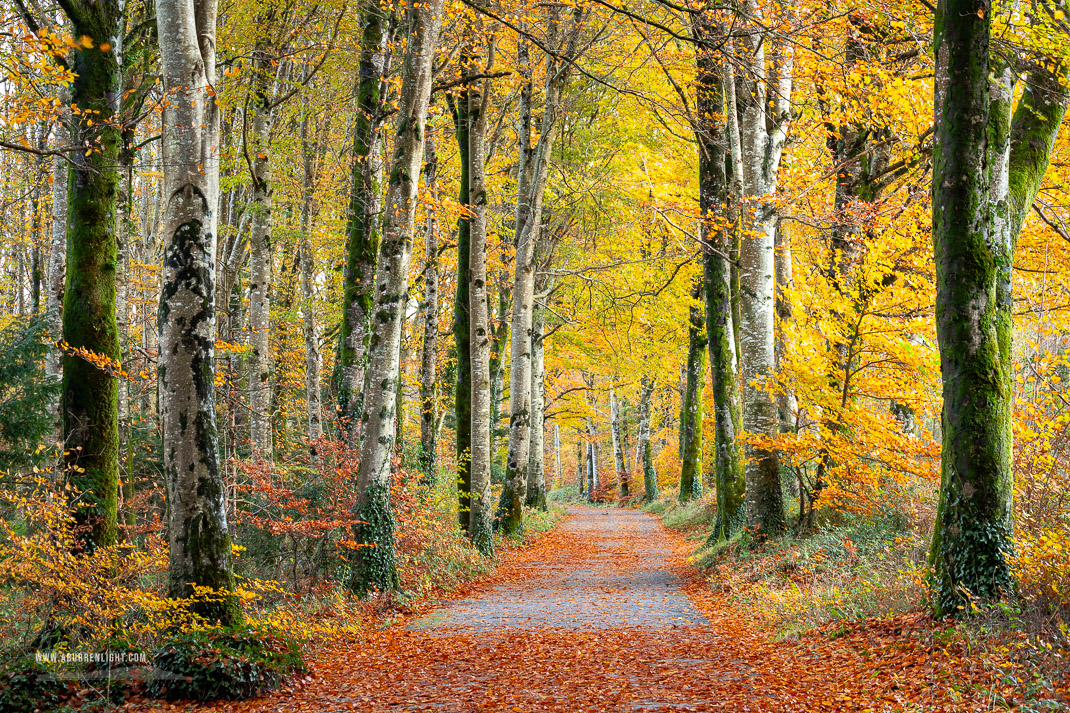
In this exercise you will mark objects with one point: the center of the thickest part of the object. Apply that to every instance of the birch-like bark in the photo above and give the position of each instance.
(462, 401)
(375, 567)
(557, 455)
(536, 486)
(308, 274)
(618, 446)
(429, 358)
(198, 537)
(56, 271)
(479, 522)
(786, 402)
(535, 164)
(643, 455)
(581, 477)
(592, 464)
(259, 148)
(765, 124)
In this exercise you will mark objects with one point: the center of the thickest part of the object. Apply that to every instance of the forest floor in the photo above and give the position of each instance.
(606, 613)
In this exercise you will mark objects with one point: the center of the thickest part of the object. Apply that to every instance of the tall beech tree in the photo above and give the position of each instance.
(479, 518)
(691, 410)
(365, 207)
(310, 148)
(536, 486)
(258, 155)
(717, 136)
(462, 398)
(644, 457)
(90, 388)
(533, 170)
(197, 532)
(429, 354)
(765, 107)
(374, 567)
(987, 169)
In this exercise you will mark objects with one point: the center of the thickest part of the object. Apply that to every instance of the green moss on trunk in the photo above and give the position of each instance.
(718, 279)
(90, 392)
(691, 429)
(971, 547)
(362, 226)
(463, 385)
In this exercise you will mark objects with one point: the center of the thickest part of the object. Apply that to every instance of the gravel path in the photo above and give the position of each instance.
(593, 618)
(621, 580)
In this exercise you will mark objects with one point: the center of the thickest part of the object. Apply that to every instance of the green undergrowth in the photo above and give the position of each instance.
(849, 567)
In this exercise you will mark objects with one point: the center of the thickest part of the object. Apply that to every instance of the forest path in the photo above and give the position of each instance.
(599, 615)
(620, 579)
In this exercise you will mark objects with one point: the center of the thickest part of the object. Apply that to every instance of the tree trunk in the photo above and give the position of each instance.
(580, 474)
(763, 134)
(716, 140)
(557, 456)
(199, 540)
(90, 393)
(618, 446)
(479, 521)
(786, 404)
(592, 469)
(536, 486)
(307, 256)
(692, 411)
(533, 170)
(462, 400)
(429, 356)
(643, 452)
(375, 566)
(260, 277)
(497, 367)
(987, 168)
(362, 227)
(399, 396)
(56, 273)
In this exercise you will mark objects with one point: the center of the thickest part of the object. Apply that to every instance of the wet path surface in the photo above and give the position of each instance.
(621, 580)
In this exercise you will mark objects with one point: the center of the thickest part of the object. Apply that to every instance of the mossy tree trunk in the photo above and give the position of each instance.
(363, 220)
(715, 105)
(198, 536)
(462, 399)
(987, 168)
(89, 400)
(374, 566)
(692, 411)
(644, 455)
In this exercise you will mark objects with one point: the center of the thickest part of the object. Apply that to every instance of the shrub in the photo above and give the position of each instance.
(27, 396)
(26, 685)
(222, 663)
